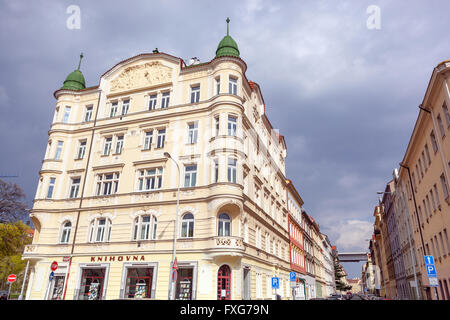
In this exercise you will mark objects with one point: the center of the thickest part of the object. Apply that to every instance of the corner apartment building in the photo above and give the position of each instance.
(106, 203)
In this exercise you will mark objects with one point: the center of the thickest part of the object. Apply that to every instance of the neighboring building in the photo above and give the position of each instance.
(328, 266)
(356, 285)
(105, 206)
(296, 240)
(428, 159)
(318, 259)
(310, 267)
(420, 222)
(405, 224)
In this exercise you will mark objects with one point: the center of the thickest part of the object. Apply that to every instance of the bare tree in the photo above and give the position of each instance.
(12, 205)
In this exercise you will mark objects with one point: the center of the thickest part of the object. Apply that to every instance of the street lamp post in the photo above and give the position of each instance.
(175, 234)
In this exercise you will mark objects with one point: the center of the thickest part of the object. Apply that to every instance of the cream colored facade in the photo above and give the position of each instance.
(428, 160)
(139, 216)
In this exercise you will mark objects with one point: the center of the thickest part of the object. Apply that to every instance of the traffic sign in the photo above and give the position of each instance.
(175, 264)
(431, 271)
(52, 275)
(12, 278)
(433, 282)
(54, 266)
(429, 260)
(275, 283)
(293, 276)
(174, 275)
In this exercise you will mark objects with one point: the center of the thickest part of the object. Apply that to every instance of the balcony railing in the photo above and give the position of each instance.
(236, 243)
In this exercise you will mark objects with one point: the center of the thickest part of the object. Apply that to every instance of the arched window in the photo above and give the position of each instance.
(144, 227)
(224, 227)
(100, 230)
(65, 234)
(187, 226)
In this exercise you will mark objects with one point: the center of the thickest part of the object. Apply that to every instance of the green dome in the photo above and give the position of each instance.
(227, 46)
(75, 80)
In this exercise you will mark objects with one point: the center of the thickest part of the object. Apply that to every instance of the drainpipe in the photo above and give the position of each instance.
(81, 195)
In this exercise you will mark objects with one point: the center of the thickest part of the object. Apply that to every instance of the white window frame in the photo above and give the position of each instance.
(232, 170)
(195, 93)
(149, 228)
(51, 186)
(232, 85)
(111, 184)
(113, 109)
(107, 146)
(192, 132)
(147, 177)
(188, 224)
(191, 175)
(165, 99)
(161, 138)
(148, 139)
(152, 101)
(88, 113)
(119, 144)
(58, 151)
(125, 106)
(100, 232)
(74, 187)
(224, 224)
(81, 149)
(65, 232)
(232, 125)
(66, 116)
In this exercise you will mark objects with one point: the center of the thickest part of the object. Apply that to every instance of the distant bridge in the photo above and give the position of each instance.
(353, 256)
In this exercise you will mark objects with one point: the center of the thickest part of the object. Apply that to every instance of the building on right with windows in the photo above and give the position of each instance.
(420, 196)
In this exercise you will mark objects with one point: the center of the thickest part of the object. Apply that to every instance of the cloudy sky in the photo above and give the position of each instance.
(345, 96)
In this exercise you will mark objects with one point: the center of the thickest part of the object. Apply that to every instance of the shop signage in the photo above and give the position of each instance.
(117, 258)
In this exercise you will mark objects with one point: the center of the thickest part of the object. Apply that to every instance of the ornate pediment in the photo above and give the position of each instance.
(142, 75)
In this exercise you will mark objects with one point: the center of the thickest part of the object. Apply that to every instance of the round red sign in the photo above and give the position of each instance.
(54, 266)
(12, 278)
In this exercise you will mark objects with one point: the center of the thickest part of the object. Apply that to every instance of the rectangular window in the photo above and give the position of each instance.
(232, 170)
(107, 183)
(216, 125)
(437, 195)
(195, 94)
(424, 161)
(55, 117)
(446, 241)
(88, 114)
(421, 168)
(139, 282)
(441, 125)
(75, 186)
(113, 110)
(216, 170)
(91, 287)
(152, 102)
(218, 85)
(66, 115)
(148, 140)
(107, 147)
(427, 152)
(414, 181)
(429, 206)
(165, 100)
(192, 132)
(442, 244)
(418, 173)
(232, 86)
(446, 114)
(101, 224)
(59, 150)
(444, 187)
(184, 284)
(432, 199)
(125, 106)
(119, 145)
(232, 125)
(433, 141)
(190, 176)
(161, 138)
(81, 149)
(150, 179)
(51, 187)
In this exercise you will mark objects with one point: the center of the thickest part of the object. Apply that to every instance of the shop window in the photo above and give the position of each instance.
(92, 281)
(139, 282)
(184, 283)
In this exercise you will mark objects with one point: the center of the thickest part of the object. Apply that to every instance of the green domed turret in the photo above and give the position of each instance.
(227, 47)
(75, 80)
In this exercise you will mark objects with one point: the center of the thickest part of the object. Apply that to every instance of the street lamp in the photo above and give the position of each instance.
(175, 233)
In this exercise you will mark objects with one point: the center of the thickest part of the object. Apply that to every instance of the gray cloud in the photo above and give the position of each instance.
(345, 97)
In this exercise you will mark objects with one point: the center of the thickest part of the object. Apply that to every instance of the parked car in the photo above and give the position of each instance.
(3, 295)
(336, 296)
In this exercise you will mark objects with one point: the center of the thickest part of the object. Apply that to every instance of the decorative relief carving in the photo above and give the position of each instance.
(143, 75)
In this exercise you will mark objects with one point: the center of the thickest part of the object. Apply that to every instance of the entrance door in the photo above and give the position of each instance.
(224, 283)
